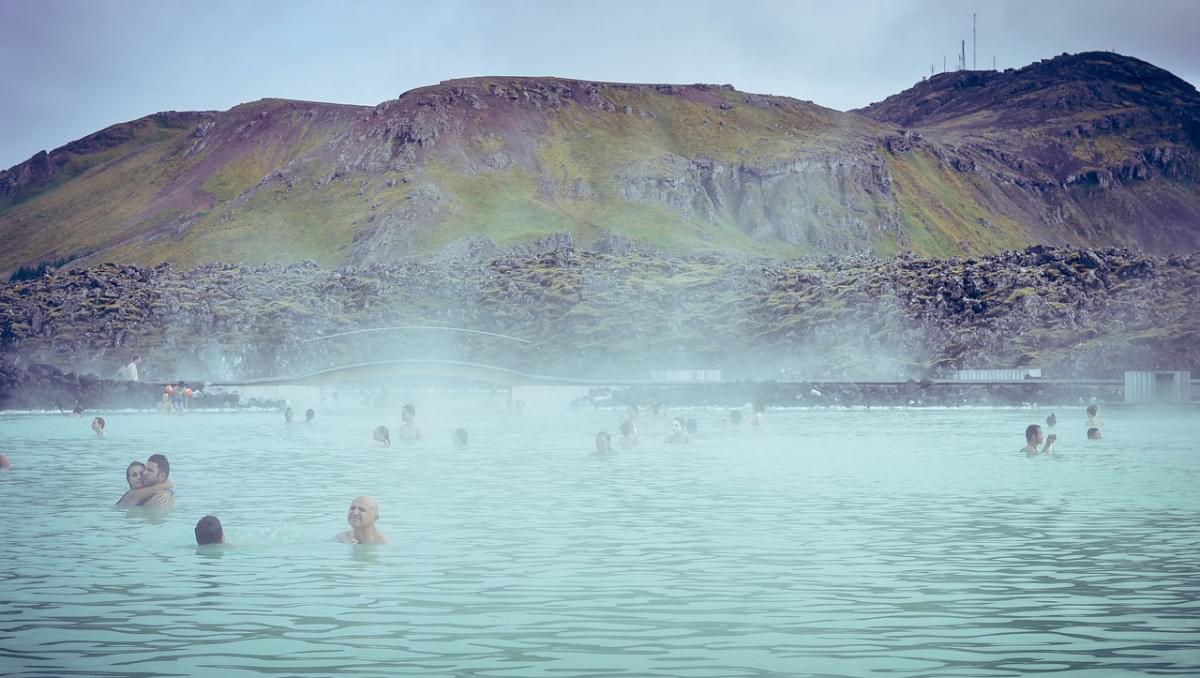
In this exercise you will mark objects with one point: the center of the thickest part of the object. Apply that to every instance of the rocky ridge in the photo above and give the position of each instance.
(1072, 312)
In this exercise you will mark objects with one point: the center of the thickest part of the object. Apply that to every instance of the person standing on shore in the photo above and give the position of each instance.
(130, 371)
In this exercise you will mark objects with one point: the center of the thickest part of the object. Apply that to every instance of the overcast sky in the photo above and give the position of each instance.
(72, 67)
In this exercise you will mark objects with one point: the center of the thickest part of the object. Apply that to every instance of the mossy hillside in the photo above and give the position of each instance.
(86, 216)
(944, 212)
(148, 131)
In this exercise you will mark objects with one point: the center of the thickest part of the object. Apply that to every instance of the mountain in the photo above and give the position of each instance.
(1094, 149)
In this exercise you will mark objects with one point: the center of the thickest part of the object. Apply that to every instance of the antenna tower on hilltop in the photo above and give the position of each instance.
(974, 45)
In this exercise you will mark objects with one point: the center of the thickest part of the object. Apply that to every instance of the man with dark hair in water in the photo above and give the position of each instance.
(158, 470)
(209, 531)
(1033, 438)
(98, 426)
(1093, 433)
(309, 414)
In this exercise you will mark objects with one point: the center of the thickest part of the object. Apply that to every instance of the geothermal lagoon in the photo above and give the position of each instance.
(838, 542)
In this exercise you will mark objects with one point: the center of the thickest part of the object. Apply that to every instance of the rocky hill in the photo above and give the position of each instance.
(1087, 150)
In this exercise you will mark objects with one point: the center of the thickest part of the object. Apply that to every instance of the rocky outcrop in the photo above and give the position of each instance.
(1071, 312)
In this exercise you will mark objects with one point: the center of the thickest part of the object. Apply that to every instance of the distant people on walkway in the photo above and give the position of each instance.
(5, 464)
(409, 428)
(130, 371)
(309, 414)
(209, 531)
(1093, 433)
(460, 438)
(146, 489)
(98, 426)
(362, 516)
(1093, 417)
(1033, 438)
(382, 436)
(1051, 420)
(288, 415)
(679, 434)
(603, 445)
(629, 436)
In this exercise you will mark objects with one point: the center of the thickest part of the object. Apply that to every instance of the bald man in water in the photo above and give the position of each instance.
(363, 513)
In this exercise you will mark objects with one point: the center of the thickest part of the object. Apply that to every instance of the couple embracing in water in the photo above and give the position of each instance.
(149, 483)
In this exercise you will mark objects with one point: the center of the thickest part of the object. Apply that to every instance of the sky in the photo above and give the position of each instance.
(73, 67)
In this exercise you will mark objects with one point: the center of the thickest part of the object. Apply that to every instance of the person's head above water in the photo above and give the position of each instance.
(1051, 420)
(1093, 433)
(209, 531)
(362, 516)
(603, 443)
(5, 464)
(381, 435)
(460, 437)
(133, 474)
(288, 414)
(309, 414)
(626, 428)
(98, 425)
(157, 470)
(1092, 410)
(408, 413)
(1033, 434)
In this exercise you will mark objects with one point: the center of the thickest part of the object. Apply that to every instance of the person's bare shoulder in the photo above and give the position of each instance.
(346, 537)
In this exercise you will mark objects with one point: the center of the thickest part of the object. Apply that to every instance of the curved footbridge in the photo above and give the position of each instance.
(441, 370)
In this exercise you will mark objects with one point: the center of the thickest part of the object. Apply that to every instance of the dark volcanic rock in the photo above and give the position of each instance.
(1071, 312)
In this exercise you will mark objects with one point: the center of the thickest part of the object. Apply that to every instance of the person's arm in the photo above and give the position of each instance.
(1048, 447)
(159, 499)
(139, 494)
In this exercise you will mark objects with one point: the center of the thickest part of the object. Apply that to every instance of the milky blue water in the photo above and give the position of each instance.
(832, 543)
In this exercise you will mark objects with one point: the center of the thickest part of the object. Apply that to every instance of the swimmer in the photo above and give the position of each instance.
(77, 412)
(1051, 420)
(735, 417)
(1094, 417)
(1033, 437)
(157, 472)
(679, 434)
(5, 464)
(139, 489)
(363, 513)
(631, 415)
(760, 412)
(309, 414)
(1093, 433)
(287, 415)
(98, 426)
(209, 531)
(409, 429)
(603, 445)
(459, 439)
(382, 436)
(629, 437)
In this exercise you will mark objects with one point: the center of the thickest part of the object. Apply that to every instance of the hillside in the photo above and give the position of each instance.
(1085, 150)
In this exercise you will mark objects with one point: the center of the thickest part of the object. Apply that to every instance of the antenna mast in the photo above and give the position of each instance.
(974, 45)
